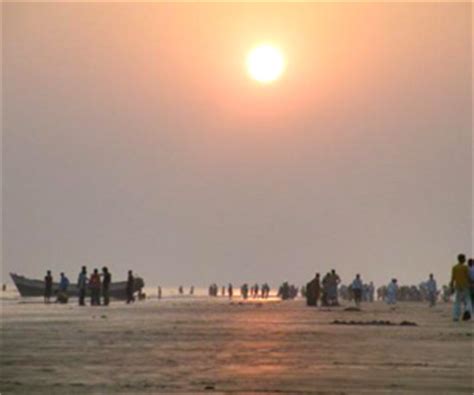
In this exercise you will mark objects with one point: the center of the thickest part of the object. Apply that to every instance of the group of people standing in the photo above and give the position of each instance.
(426, 291)
(323, 291)
(327, 291)
(62, 288)
(98, 285)
(254, 291)
(257, 291)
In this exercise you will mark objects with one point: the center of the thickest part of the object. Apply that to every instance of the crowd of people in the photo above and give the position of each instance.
(358, 291)
(323, 292)
(426, 291)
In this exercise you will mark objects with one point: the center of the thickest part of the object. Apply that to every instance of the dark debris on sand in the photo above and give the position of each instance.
(374, 322)
(352, 309)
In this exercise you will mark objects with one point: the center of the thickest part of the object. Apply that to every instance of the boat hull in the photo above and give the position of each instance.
(35, 288)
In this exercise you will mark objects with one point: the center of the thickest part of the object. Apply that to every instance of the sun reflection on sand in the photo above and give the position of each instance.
(257, 301)
(256, 370)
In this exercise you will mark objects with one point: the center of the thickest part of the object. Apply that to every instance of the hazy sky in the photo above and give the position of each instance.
(133, 138)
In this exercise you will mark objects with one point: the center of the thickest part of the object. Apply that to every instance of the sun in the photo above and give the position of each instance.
(265, 63)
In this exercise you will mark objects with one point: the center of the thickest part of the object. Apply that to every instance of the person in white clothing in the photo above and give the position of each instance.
(392, 290)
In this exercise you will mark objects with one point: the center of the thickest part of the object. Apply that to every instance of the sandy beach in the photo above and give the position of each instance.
(200, 344)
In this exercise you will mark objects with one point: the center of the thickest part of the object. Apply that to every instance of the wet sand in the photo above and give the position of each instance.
(210, 345)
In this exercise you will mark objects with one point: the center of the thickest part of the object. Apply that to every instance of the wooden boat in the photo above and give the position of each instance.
(34, 288)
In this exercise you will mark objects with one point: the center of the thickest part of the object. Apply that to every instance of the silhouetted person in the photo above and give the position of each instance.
(180, 290)
(159, 292)
(48, 287)
(325, 288)
(310, 293)
(222, 291)
(284, 292)
(4, 287)
(244, 291)
(256, 289)
(317, 289)
(470, 264)
(213, 289)
(95, 285)
(313, 291)
(293, 291)
(191, 290)
(230, 291)
(432, 290)
(265, 291)
(106, 280)
(357, 287)
(334, 281)
(371, 291)
(82, 286)
(130, 287)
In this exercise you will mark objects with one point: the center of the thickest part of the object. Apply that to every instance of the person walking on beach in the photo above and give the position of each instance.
(82, 286)
(432, 289)
(130, 287)
(48, 287)
(460, 285)
(94, 285)
(230, 291)
(357, 287)
(159, 292)
(392, 290)
(107, 279)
